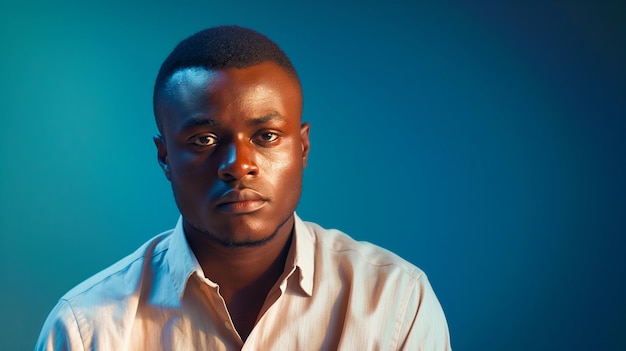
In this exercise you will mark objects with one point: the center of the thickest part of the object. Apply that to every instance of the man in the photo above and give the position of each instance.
(240, 271)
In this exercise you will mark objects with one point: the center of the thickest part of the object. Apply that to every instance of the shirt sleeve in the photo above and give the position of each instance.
(424, 325)
(60, 331)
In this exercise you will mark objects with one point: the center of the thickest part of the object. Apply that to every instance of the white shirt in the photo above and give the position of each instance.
(335, 294)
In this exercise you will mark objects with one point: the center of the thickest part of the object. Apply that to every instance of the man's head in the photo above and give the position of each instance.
(228, 104)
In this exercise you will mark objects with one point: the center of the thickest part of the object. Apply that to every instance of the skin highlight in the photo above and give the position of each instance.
(234, 148)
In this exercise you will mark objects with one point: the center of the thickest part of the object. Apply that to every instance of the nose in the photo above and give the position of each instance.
(238, 162)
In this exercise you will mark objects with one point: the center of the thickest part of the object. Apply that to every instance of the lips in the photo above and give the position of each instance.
(241, 201)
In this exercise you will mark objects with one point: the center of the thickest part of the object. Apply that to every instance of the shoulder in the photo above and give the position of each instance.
(118, 277)
(362, 266)
(339, 246)
(378, 287)
(94, 304)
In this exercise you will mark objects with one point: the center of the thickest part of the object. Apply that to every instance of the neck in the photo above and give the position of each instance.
(245, 275)
(238, 269)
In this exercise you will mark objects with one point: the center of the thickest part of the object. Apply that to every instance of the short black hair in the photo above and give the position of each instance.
(219, 48)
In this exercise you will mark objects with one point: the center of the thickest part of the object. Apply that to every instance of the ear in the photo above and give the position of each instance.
(304, 140)
(159, 141)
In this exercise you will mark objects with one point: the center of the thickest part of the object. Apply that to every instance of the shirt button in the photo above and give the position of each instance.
(227, 325)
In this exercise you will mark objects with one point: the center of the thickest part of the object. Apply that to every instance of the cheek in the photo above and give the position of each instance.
(192, 175)
(187, 164)
(184, 160)
(285, 170)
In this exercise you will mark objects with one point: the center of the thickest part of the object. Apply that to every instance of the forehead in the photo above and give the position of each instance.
(232, 93)
(264, 78)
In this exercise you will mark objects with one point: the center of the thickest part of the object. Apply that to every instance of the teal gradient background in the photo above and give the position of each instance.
(485, 143)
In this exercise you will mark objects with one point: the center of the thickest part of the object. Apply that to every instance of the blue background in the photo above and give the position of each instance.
(482, 141)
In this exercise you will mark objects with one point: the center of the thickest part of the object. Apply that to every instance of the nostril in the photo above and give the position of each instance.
(238, 162)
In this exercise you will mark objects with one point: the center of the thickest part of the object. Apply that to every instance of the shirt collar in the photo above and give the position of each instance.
(182, 263)
(304, 245)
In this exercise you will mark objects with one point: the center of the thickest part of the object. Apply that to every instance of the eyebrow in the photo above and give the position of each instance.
(199, 122)
(266, 118)
(210, 122)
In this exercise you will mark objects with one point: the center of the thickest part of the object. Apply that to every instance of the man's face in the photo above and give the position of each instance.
(234, 149)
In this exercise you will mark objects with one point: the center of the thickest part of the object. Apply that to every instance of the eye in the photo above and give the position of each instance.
(268, 137)
(204, 140)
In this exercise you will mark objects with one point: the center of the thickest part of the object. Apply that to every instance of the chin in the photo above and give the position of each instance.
(246, 242)
(258, 233)
(234, 232)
